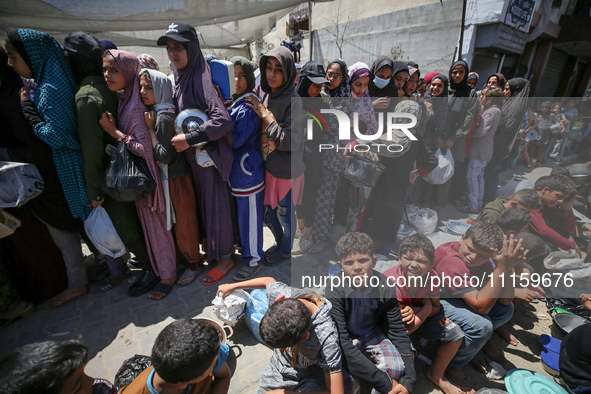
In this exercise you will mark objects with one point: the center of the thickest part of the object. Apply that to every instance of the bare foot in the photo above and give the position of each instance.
(223, 266)
(479, 362)
(504, 333)
(446, 386)
(156, 295)
(66, 296)
(494, 353)
(456, 374)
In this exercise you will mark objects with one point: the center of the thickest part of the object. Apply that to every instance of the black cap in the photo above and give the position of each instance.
(314, 72)
(83, 44)
(178, 31)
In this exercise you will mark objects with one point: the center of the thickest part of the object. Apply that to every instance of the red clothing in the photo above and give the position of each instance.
(430, 288)
(449, 264)
(559, 222)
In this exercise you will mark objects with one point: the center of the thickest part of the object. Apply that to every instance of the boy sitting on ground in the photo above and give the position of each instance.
(49, 367)
(307, 358)
(513, 221)
(187, 357)
(418, 295)
(375, 345)
(476, 300)
(555, 221)
(525, 199)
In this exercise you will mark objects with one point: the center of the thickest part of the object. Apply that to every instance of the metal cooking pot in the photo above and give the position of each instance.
(189, 120)
(580, 173)
(363, 171)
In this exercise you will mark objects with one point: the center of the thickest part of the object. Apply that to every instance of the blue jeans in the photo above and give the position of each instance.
(286, 212)
(477, 328)
(475, 180)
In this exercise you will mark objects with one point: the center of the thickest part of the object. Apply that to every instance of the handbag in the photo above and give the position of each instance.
(127, 177)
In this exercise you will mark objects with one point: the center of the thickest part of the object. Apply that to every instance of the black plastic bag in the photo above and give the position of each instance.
(130, 369)
(127, 177)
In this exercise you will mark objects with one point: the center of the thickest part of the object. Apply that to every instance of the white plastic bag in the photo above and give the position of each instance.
(424, 220)
(444, 170)
(19, 182)
(102, 233)
(230, 309)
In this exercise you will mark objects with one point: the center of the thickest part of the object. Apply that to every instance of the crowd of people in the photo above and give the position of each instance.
(250, 164)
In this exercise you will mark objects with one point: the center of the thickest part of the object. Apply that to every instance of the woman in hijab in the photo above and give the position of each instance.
(248, 176)
(36, 273)
(85, 55)
(148, 61)
(37, 55)
(435, 131)
(181, 206)
(359, 75)
(194, 89)
(385, 82)
(310, 86)
(514, 110)
(121, 69)
(383, 209)
(282, 150)
(496, 80)
(462, 117)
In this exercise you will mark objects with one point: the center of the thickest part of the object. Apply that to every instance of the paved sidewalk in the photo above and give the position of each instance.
(116, 327)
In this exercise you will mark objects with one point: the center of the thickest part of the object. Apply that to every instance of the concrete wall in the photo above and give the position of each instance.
(427, 33)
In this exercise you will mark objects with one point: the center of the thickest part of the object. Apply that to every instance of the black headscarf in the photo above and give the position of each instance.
(11, 81)
(500, 78)
(248, 69)
(461, 89)
(17, 43)
(388, 91)
(515, 106)
(84, 55)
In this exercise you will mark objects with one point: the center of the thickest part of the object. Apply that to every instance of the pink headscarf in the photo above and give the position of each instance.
(131, 122)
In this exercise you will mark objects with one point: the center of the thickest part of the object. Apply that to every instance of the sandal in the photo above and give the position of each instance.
(276, 259)
(317, 247)
(161, 288)
(247, 272)
(216, 275)
(271, 250)
(304, 245)
(107, 284)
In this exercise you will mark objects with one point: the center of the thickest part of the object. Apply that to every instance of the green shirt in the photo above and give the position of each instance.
(492, 210)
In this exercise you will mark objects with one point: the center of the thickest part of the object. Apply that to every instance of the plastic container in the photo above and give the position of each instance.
(456, 227)
(255, 310)
(523, 381)
(550, 343)
(567, 322)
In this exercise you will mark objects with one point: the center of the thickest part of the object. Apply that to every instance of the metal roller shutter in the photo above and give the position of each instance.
(553, 74)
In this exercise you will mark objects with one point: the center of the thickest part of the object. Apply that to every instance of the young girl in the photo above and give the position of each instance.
(194, 89)
(121, 70)
(284, 178)
(156, 92)
(37, 55)
(248, 176)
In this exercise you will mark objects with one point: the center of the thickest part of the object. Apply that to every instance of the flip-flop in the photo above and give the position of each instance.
(318, 247)
(275, 259)
(271, 250)
(24, 313)
(62, 301)
(188, 274)
(216, 275)
(247, 272)
(161, 288)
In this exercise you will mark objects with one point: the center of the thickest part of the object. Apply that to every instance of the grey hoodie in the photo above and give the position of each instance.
(318, 355)
(285, 162)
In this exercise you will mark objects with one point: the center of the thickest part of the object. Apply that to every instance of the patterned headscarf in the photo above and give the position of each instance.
(358, 70)
(147, 61)
(132, 122)
(363, 105)
(163, 91)
(344, 89)
(54, 101)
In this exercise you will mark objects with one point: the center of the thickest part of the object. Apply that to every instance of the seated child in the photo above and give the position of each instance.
(49, 367)
(419, 298)
(524, 199)
(187, 357)
(513, 221)
(476, 299)
(375, 345)
(307, 358)
(555, 221)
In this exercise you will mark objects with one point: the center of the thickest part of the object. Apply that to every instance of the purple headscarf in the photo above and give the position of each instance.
(194, 89)
(131, 122)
